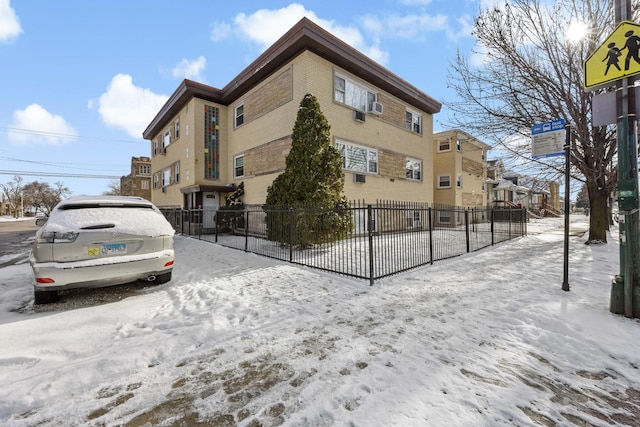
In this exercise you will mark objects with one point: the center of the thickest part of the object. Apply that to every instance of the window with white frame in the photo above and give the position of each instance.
(238, 166)
(144, 184)
(166, 140)
(144, 170)
(176, 172)
(239, 115)
(444, 145)
(155, 181)
(459, 181)
(484, 186)
(444, 181)
(166, 177)
(155, 147)
(414, 121)
(358, 159)
(484, 154)
(353, 94)
(459, 144)
(444, 217)
(414, 219)
(176, 127)
(187, 129)
(414, 169)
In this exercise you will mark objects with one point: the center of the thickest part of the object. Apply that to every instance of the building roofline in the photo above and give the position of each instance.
(304, 35)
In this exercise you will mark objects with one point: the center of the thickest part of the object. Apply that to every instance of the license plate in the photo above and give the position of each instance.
(106, 250)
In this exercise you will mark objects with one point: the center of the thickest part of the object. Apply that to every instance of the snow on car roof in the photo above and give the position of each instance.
(130, 215)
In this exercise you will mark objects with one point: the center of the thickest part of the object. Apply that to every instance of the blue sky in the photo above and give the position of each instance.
(80, 80)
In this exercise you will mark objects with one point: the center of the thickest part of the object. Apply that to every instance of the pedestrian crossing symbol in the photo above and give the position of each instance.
(618, 57)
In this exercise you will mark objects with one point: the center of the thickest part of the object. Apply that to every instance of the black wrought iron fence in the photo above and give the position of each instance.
(368, 241)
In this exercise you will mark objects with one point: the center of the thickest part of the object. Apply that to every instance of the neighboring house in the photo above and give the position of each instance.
(205, 141)
(138, 182)
(460, 169)
(508, 188)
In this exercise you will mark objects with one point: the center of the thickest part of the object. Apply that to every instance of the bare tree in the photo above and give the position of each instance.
(43, 197)
(115, 189)
(13, 195)
(532, 73)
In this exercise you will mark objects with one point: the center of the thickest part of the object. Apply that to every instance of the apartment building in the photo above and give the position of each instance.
(460, 169)
(205, 141)
(138, 182)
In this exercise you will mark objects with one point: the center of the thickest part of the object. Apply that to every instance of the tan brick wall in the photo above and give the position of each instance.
(267, 158)
(269, 96)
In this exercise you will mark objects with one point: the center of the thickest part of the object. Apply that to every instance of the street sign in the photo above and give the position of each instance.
(547, 139)
(618, 57)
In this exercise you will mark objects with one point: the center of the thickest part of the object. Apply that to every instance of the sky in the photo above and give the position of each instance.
(80, 81)
(485, 339)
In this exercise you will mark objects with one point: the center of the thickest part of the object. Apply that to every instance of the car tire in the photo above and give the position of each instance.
(163, 278)
(45, 297)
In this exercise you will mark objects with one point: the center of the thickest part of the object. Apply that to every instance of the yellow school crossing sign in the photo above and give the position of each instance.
(618, 57)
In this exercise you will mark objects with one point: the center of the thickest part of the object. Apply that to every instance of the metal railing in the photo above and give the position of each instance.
(367, 241)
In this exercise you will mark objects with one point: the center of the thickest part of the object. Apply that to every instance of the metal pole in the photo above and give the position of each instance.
(567, 194)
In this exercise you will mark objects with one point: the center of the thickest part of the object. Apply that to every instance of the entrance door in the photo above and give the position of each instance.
(210, 205)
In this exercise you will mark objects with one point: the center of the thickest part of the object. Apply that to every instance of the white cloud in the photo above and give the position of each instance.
(34, 124)
(9, 23)
(265, 26)
(221, 31)
(129, 107)
(191, 70)
(411, 27)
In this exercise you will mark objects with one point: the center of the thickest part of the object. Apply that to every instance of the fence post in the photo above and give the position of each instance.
(430, 237)
(493, 240)
(370, 230)
(466, 226)
(291, 216)
(216, 219)
(246, 229)
(510, 221)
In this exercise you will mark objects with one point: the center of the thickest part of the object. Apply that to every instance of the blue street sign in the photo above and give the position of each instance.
(547, 139)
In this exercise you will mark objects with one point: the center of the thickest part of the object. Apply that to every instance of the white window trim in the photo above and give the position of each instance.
(459, 143)
(166, 177)
(440, 181)
(415, 114)
(370, 152)
(235, 165)
(440, 149)
(166, 140)
(371, 95)
(155, 181)
(236, 116)
(176, 172)
(176, 128)
(459, 181)
(419, 162)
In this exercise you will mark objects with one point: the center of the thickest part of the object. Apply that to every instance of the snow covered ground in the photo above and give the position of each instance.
(485, 339)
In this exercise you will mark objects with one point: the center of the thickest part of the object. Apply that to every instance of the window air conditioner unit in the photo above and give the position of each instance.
(375, 108)
(358, 177)
(358, 115)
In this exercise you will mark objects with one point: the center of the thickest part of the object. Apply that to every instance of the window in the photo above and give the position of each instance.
(186, 152)
(459, 144)
(444, 181)
(444, 217)
(177, 128)
(444, 145)
(239, 115)
(358, 159)
(155, 181)
(166, 177)
(414, 169)
(484, 186)
(144, 184)
(187, 130)
(238, 166)
(483, 152)
(414, 122)
(176, 172)
(352, 94)
(144, 170)
(414, 219)
(459, 181)
(166, 141)
(155, 147)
